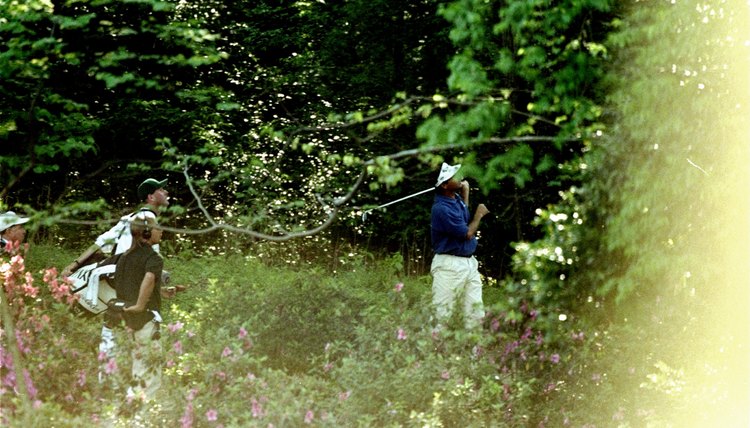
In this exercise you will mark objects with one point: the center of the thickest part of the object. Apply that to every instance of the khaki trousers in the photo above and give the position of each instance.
(457, 280)
(147, 362)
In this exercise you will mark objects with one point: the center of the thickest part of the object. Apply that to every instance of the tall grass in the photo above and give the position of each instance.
(263, 344)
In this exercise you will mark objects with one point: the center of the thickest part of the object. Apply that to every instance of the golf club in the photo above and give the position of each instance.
(364, 214)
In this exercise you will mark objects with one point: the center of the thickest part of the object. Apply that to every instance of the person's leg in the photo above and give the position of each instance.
(147, 361)
(473, 305)
(445, 281)
(107, 350)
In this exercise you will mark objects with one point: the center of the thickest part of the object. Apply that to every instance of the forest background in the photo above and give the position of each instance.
(608, 139)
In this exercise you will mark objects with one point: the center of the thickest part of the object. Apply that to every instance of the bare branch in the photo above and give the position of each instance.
(197, 198)
(214, 225)
(331, 207)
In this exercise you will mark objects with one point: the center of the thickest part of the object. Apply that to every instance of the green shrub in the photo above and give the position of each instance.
(251, 345)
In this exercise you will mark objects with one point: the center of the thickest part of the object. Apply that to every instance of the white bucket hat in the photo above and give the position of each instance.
(9, 219)
(446, 172)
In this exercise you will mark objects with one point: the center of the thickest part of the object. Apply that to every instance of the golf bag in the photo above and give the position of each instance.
(94, 284)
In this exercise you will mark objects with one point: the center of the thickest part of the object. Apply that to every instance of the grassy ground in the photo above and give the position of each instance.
(251, 344)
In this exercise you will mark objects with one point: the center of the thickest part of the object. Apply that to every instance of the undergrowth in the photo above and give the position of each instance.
(256, 344)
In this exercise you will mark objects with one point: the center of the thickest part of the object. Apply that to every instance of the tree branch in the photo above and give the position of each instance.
(332, 208)
(214, 225)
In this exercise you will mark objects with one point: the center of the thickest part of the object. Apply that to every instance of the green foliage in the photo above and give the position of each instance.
(274, 121)
(255, 344)
(549, 269)
(297, 302)
(653, 245)
(74, 73)
(657, 223)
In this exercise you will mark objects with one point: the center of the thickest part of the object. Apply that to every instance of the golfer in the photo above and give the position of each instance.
(455, 274)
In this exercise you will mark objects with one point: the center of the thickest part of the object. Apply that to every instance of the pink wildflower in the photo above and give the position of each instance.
(186, 421)
(177, 347)
(23, 345)
(211, 415)
(28, 288)
(256, 408)
(401, 335)
(60, 290)
(175, 327)
(555, 358)
(539, 339)
(445, 375)
(527, 334)
(226, 352)
(30, 388)
(192, 394)
(309, 416)
(242, 333)
(111, 366)
(399, 287)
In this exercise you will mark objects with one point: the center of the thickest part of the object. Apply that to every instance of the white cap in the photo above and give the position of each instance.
(446, 172)
(9, 219)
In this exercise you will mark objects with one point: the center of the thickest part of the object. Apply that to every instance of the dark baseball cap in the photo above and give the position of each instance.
(149, 186)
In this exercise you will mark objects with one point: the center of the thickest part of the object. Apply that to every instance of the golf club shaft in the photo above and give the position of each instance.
(398, 200)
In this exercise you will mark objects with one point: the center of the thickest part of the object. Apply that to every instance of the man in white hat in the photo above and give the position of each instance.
(454, 268)
(11, 229)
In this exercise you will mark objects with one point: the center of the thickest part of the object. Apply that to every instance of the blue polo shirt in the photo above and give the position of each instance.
(450, 222)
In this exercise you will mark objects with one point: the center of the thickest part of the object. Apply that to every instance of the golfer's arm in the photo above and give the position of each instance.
(474, 225)
(465, 192)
